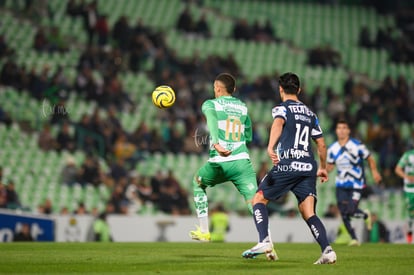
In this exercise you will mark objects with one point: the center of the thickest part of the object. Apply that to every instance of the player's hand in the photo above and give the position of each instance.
(377, 177)
(273, 156)
(323, 174)
(222, 152)
(410, 178)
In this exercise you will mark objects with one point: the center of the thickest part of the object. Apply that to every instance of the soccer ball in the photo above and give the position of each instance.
(163, 97)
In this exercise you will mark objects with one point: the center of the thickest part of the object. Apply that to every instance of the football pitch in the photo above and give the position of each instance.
(198, 258)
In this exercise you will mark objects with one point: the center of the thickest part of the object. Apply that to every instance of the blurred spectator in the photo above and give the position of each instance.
(390, 179)
(115, 93)
(219, 223)
(90, 172)
(56, 41)
(45, 139)
(121, 33)
(131, 193)
(13, 200)
(263, 33)
(101, 229)
(3, 196)
(242, 30)
(81, 209)
(64, 211)
(123, 149)
(332, 211)
(86, 85)
(156, 181)
(40, 40)
(336, 107)
(64, 139)
(47, 207)
(142, 137)
(324, 56)
(5, 50)
(118, 169)
(119, 201)
(365, 38)
(201, 27)
(5, 117)
(175, 142)
(173, 199)
(102, 28)
(24, 234)
(90, 18)
(74, 9)
(185, 21)
(379, 232)
(70, 172)
(144, 191)
(9, 74)
(39, 83)
(37, 9)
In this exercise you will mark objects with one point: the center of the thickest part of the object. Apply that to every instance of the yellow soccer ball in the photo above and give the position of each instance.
(163, 97)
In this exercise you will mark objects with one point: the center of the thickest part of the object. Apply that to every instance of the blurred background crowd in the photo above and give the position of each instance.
(76, 76)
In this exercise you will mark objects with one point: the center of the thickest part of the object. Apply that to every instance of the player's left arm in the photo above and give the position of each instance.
(322, 151)
(373, 166)
(248, 129)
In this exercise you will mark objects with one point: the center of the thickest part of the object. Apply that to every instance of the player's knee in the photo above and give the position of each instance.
(259, 198)
(197, 183)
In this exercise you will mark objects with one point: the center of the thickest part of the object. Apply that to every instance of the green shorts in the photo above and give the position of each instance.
(239, 172)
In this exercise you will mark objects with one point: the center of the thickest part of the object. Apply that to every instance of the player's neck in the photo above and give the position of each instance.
(290, 97)
(343, 141)
(223, 94)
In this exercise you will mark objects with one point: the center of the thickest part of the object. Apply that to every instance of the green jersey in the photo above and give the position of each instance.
(406, 162)
(229, 125)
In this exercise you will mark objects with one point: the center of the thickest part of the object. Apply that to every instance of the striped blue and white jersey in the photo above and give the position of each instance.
(349, 161)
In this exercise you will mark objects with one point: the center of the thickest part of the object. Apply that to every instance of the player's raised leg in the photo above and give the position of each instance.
(202, 232)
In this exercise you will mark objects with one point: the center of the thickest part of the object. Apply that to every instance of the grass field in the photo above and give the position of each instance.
(198, 258)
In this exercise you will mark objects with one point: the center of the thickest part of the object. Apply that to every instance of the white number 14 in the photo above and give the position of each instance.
(302, 137)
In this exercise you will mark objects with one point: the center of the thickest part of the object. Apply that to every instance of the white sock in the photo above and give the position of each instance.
(204, 224)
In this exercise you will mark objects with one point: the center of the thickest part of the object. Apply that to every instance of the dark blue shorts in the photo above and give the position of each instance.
(277, 183)
(348, 199)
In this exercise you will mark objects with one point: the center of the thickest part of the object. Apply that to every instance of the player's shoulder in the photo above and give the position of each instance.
(208, 104)
(279, 111)
(355, 141)
(335, 146)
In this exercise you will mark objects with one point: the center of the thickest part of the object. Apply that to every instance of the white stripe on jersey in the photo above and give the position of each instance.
(242, 155)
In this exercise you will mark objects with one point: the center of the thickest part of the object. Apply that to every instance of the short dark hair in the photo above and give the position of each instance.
(343, 121)
(290, 83)
(228, 81)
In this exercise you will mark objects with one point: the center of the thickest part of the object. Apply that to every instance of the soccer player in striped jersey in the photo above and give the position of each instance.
(230, 129)
(348, 154)
(295, 169)
(405, 170)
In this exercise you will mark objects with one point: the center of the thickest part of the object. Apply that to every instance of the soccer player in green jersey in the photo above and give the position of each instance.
(230, 129)
(405, 170)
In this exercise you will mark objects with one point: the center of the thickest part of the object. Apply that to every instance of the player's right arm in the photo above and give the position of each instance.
(275, 132)
(321, 148)
(373, 166)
